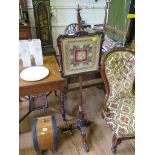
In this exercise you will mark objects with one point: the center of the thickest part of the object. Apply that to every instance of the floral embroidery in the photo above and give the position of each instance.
(80, 54)
(111, 115)
(124, 119)
(125, 109)
(121, 131)
(122, 94)
(114, 105)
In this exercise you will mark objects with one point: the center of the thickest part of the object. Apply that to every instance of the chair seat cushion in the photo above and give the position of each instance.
(120, 117)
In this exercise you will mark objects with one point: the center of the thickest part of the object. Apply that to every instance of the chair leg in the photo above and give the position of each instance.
(115, 142)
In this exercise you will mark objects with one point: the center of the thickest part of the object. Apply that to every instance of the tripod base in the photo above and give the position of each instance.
(81, 125)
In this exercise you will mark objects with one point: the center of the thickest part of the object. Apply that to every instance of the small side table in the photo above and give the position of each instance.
(52, 82)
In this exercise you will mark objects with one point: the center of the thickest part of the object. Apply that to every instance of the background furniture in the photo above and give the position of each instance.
(76, 27)
(24, 28)
(118, 75)
(73, 28)
(43, 25)
(117, 26)
(52, 82)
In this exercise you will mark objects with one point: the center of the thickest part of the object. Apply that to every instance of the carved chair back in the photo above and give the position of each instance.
(118, 73)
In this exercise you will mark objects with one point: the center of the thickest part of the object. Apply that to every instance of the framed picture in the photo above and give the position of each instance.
(80, 53)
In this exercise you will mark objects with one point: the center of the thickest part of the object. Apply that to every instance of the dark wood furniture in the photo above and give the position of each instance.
(52, 82)
(80, 57)
(87, 76)
(43, 26)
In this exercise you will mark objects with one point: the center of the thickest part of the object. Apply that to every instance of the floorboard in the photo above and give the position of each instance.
(99, 135)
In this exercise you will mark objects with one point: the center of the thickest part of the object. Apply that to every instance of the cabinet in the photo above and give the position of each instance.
(24, 27)
(43, 25)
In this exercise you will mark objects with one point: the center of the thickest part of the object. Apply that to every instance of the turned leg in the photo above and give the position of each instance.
(62, 106)
(115, 142)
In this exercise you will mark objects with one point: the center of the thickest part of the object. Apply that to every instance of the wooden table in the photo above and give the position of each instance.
(52, 82)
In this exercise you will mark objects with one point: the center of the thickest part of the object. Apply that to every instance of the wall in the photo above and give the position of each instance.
(63, 13)
(117, 18)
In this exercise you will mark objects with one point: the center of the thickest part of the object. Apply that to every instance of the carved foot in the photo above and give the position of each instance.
(113, 149)
(84, 139)
(86, 147)
(115, 142)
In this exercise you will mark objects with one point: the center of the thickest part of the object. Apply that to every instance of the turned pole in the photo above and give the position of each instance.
(78, 18)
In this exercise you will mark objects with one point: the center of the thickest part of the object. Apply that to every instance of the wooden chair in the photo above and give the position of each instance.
(118, 75)
(80, 55)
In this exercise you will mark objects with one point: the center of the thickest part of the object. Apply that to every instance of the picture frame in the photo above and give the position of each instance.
(80, 53)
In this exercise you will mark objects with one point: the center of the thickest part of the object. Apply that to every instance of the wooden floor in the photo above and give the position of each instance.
(99, 135)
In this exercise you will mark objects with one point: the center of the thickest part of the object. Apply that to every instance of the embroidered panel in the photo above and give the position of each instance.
(80, 55)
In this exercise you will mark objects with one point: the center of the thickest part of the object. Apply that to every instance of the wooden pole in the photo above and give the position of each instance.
(81, 97)
(78, 18)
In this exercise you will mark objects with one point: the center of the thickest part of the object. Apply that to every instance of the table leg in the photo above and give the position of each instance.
(62, 105)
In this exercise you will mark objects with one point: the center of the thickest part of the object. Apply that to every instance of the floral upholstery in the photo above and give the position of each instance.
(121, 118)
(120, 73)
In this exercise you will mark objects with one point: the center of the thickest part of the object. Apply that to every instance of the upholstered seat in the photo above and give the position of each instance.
(120, 117)
(118, 74)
